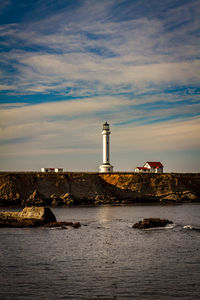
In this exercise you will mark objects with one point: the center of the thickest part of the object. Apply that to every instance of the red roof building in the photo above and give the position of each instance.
(142, 169)
(151, 167)
(154, 164)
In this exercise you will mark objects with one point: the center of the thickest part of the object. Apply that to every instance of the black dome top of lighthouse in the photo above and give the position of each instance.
(105, 126)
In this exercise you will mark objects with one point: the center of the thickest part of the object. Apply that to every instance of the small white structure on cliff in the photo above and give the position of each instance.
(150, 166)
(51, 170)
(106, 166)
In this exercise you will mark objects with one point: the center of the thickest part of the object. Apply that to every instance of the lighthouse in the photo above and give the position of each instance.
(106, 167)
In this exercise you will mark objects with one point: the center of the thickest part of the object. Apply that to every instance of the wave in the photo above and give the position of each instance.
(190, 227)
(169, 226)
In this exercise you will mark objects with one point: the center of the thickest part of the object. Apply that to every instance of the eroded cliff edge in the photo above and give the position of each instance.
(71, 188)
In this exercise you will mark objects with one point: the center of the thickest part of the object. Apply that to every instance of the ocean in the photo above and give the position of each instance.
(105, 258)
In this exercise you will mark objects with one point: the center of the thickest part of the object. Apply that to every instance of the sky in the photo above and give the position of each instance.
(68, 66)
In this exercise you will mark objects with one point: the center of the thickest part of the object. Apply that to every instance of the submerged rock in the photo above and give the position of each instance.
(63, 224)
(76, 225)
(30, 216)
(58, 224)
(151, 223)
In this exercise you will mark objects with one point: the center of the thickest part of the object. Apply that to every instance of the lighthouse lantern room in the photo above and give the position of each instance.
(106, 167)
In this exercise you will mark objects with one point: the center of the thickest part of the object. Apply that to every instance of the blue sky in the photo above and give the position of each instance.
(68, 66)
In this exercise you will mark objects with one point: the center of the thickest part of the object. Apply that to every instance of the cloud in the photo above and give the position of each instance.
(131, 63)
(7, 87)
(74, 127)
(48, 73)
(170, 136)
(103, 52)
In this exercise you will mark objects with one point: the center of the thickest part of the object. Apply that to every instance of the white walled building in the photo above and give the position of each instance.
(51, 170)
(141, 170)
(106, 166)
(151, 167)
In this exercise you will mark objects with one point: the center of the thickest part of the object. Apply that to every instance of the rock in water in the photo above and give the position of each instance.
(30, 216)
(76, 225)
(151, 223)
(63, 224)
(58, 224)
(44, 214)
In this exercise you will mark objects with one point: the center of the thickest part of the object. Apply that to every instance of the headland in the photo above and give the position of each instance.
(81, 188)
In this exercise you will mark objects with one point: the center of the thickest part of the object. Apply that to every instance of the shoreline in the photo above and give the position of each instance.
(19, 207)
(87, 188)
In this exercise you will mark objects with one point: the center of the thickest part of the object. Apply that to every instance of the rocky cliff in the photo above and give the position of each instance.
(69, 188)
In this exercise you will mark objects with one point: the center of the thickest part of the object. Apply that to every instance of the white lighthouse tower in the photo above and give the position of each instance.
(106, 167)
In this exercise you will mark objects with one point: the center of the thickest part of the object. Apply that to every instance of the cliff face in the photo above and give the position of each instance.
(94, 188)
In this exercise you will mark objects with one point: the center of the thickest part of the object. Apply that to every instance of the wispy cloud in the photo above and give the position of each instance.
(75, 126)
(103, 51)
(135, 64)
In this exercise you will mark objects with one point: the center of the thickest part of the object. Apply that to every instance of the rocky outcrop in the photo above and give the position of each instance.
(67, 199)
(36, 198)
(151, 223)
(185, 196)
(30, 216)
(64, 189)
(154, 187)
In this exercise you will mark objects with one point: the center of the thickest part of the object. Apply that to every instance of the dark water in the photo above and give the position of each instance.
(107, 259)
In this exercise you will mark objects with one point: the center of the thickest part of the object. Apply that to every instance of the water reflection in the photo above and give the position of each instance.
(105, 214)
(106, 259)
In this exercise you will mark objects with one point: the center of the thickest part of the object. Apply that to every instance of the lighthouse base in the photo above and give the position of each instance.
(106, 168)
